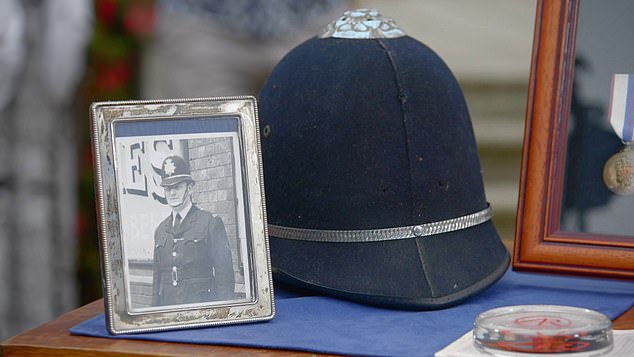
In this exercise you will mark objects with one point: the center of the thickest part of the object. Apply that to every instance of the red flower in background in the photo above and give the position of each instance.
(112, 76)
(81, 225)
(87, 157)
(106, 11)
(139, 19)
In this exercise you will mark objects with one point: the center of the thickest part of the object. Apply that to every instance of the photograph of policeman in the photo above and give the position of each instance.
(192, 258)
(183, 222)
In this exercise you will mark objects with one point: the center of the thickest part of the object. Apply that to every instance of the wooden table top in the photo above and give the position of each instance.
(53, 339)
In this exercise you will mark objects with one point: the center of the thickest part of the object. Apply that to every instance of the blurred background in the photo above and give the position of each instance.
(56, 57)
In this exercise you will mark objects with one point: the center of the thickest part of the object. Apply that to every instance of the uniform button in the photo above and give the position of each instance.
(174, 283)
(173, 254)
(208, 290)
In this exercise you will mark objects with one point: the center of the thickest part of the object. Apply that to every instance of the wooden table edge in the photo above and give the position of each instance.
(53, 339)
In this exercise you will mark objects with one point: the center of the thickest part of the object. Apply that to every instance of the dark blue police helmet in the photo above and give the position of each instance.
(373, 182)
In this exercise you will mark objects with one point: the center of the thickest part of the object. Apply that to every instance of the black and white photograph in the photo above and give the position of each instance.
(182, 213)
(184, 237)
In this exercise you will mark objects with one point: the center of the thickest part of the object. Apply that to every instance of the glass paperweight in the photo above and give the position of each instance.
(543, 329)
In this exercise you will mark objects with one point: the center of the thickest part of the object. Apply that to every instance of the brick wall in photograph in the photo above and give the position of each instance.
(212, 167)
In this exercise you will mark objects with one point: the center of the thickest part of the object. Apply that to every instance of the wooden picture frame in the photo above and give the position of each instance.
(541, 244)
(156, 160)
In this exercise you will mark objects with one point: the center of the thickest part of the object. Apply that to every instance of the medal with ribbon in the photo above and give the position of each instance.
(618, 172)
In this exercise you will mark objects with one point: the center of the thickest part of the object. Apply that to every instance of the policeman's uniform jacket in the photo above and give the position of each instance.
(192, 261)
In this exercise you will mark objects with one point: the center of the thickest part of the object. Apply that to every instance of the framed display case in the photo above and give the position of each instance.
(568, 220)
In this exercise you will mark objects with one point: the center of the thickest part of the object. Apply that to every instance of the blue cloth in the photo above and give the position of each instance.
(328, 325)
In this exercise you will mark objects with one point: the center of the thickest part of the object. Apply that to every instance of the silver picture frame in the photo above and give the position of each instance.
(156, 160)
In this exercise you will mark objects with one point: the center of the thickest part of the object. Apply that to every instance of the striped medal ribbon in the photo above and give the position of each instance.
(618, 172)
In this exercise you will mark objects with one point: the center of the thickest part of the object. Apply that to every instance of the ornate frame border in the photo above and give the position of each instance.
(119, 319)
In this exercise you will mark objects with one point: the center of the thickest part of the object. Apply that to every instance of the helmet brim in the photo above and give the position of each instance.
(423, 273)
(173, 180)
